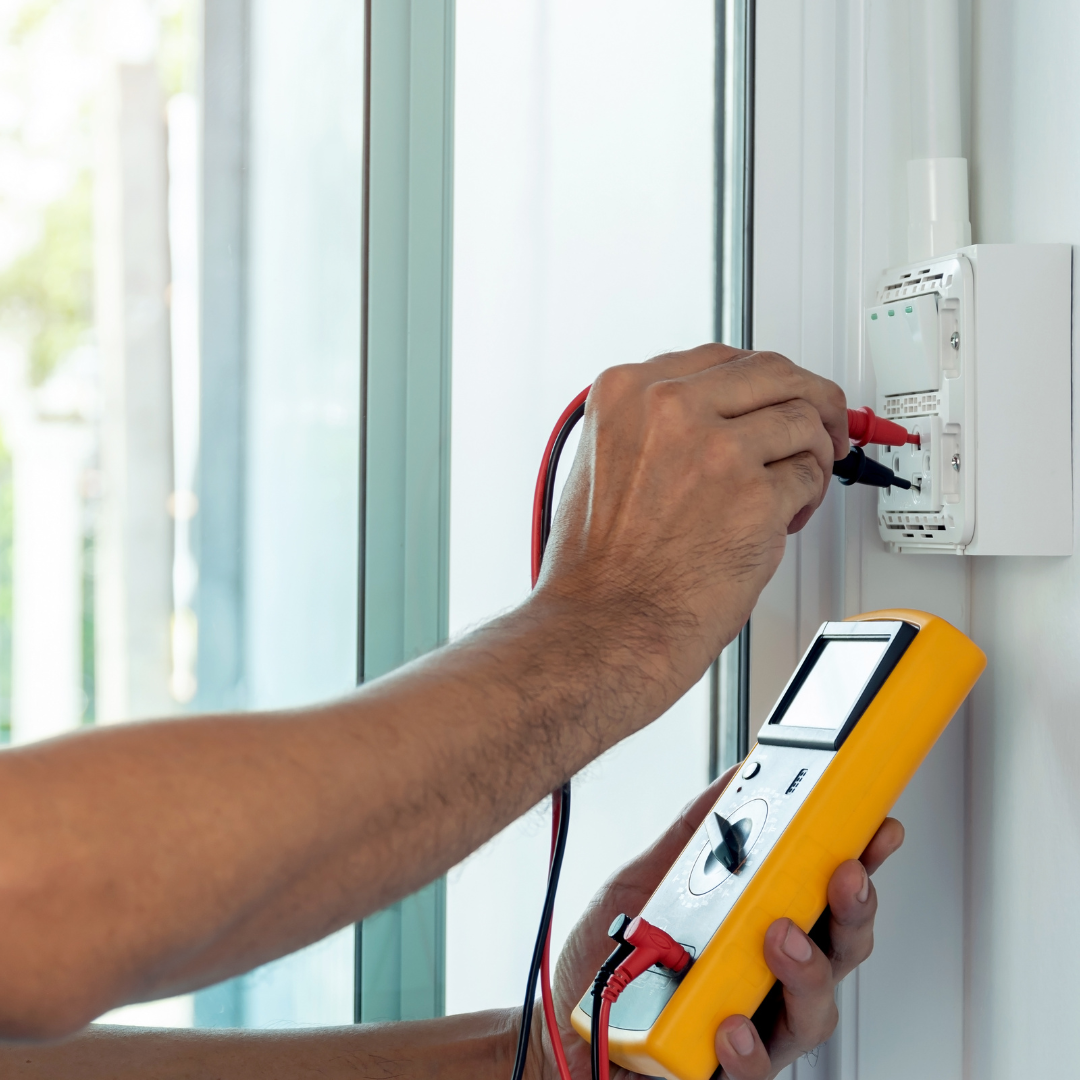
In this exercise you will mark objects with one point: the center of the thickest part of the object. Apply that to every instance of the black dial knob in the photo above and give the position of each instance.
(727, 840)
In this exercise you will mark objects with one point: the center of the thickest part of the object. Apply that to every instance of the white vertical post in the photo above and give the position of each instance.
(131, 264)
(938, 216)
(48, 459)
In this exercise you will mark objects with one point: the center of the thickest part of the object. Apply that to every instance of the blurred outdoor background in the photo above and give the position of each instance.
(106, 219)
(180, 281)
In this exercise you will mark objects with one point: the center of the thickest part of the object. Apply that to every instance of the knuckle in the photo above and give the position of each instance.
(807, 470)
(776, 360)
(722, 354)
(614, 384)
(835, 395)
(798, 413)
(861, 949)
(822, 1030)
(667, 402)
(663, 356)
(758, 1072)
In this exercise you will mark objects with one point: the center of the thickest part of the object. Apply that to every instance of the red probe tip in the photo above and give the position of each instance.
(864, 427)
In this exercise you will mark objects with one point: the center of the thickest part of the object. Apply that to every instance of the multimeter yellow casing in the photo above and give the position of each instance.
(869, 699)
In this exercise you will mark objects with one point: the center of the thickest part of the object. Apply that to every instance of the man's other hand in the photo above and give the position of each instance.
(805, 1014)
(691, 471)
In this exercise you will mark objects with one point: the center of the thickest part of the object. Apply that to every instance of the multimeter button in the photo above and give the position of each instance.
(751, 770)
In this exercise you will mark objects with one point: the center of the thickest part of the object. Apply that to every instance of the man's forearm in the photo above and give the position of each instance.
(476, 1046)
(145, 860)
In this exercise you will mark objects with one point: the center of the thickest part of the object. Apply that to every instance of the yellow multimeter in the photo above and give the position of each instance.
(864, 707)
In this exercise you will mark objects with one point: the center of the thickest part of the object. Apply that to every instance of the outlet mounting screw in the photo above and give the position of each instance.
(955, 462)
(954, 341)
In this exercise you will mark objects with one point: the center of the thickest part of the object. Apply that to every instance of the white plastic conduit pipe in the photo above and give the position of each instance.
(938, 216)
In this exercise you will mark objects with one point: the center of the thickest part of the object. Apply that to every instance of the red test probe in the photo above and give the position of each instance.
(864, 427)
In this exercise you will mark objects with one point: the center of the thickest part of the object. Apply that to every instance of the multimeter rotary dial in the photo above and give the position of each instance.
(730, 841)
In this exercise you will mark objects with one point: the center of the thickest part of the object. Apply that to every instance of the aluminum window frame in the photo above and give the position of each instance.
(405, 428)
(729, 680)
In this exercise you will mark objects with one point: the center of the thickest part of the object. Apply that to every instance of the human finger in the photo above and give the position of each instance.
(806, 974)
(887, 841)
(758, 380)
(781, 431)
(852, 906)
(778, 431)
(798, 487)
(853, 901)
(740, 1050)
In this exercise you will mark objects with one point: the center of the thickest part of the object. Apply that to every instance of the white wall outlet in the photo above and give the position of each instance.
(973, 351)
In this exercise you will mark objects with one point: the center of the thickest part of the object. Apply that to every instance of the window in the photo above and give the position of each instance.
(584, 198)
(180, 384)
(181, 478)
(280, 536)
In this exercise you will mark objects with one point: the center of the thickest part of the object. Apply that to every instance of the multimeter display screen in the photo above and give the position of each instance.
(833, 685)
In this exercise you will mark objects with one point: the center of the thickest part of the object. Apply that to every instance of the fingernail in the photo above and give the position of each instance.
(741, 1039)
(864, 893)
(797, 944)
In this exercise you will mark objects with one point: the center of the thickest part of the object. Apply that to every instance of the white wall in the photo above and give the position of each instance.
(832, 145)
(1025, 741)
(582, 238)
(973, 973)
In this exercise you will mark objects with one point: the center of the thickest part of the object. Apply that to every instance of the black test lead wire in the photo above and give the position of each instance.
(543, 505)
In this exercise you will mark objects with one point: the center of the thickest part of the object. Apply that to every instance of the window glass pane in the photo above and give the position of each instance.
(301, 421)
(119, 171)
(583, 237)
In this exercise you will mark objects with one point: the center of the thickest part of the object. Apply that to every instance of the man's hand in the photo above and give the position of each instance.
(806, 1013)
(691, 471)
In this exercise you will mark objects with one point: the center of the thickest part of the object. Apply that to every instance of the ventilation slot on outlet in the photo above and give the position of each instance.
(911, 285)
(910, 524)
(912, 405)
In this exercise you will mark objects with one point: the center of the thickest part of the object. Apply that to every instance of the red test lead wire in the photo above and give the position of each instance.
(546, 998)
(541, 524)
(864, 427)
(651, 946)
(540, 507)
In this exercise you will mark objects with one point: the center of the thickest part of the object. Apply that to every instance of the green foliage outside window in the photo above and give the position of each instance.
(46, 294)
